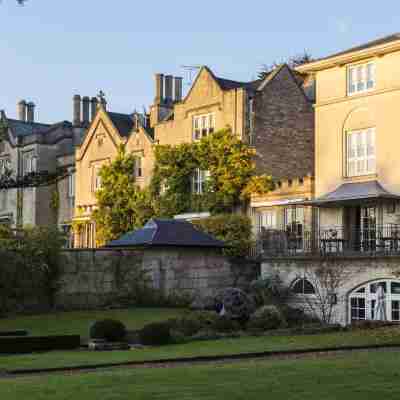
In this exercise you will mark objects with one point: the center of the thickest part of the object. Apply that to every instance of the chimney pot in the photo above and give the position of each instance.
(30, 112)
(76, 110)
(168, 88)
(21, 110)
(159, 89)
(94, 107)
(85, 109)
(178, 88)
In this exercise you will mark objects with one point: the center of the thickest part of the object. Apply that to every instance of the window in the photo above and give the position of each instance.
(267, 220)
(71, 185)
(203, 125)
(3, 199)
(5, 165)
(138, 167)
(96, 183)
(29, 163)
(361, 157)
(303, 286)
(199, 180)
(360, 78)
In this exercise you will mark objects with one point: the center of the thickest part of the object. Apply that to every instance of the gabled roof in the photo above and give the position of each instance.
(122, 122)
(167, 232)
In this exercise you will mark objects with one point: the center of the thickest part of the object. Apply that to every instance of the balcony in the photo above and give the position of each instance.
(329, 241)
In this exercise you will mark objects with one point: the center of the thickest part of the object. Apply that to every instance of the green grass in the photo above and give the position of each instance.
(65, 323)
(357, 376)
(203, 348)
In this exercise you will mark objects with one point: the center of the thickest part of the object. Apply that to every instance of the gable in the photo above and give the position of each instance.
(101, 137)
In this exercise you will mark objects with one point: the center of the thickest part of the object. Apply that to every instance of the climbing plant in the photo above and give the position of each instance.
(231, 180)
(121, 205)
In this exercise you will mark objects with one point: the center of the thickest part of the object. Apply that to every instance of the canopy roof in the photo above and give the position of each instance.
(167, 232)
(351, 192)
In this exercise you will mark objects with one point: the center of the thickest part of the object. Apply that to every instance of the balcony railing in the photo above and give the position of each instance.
(383, 239)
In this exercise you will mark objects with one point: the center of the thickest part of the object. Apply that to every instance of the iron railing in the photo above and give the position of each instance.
(382, 239)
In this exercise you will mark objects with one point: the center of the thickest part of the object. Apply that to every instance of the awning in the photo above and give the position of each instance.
(354, 192)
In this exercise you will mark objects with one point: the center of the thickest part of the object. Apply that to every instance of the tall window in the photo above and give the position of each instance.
(138, 167)
(267, 220)
(29, 163)
(199, 180)
(96, 180)
(361, 153)
(5, 165)
(360, 78)
(71, 185)
(203, 125)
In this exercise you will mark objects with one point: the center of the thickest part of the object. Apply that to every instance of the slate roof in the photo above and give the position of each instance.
(23, 128)
(377, 42)
(355, 191)
(123, 122)
(167, 232)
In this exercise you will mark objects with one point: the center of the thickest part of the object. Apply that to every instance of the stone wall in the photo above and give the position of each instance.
(356, 271)
(284, 128)
(95, 278)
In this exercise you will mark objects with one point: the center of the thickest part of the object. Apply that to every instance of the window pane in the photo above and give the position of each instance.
(395, 287)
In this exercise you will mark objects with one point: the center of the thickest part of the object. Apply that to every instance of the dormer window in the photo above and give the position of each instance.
(360, 78)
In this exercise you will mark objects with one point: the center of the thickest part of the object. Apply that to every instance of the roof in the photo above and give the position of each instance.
(23, 128)
(123, 122)
(227, 84)
(348, 192)
(167, 232)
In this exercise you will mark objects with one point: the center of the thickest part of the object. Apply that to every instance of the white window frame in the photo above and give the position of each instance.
(5, 165)
(203, 125)
(361, 152)
(29, 161)
(199, 180)
(96, 183)
(71, 185)
(267, 219)
(361, 78)
(138, 167)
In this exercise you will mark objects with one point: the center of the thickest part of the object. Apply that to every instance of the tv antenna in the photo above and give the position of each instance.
(190, 71)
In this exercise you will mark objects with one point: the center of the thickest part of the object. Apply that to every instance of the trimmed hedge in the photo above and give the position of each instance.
(156, 333)
(26, 344)
(108, 329)
(19, 332)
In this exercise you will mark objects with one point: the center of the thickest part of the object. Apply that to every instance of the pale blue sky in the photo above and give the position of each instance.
(52, 49)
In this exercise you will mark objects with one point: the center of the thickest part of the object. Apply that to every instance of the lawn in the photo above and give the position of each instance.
(65, 323)
(204, 348)
(357, 376)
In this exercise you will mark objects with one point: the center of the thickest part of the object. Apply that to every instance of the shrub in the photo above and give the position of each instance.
(108, 329)
(297, 316)
(156, 333)
(225, 324)
(194, 322)
(233, 229)
(270, 290)
(265, 318)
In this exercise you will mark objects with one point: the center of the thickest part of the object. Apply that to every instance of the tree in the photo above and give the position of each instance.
(327, 278)
(122, 205)
(292, 62)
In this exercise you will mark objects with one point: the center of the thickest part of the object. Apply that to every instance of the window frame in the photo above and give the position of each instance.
(302, 281)
(71, 185)
(361, 69)
(366, 158)
(203, 131)
(96, 178)
(138, 172)
(199, 180)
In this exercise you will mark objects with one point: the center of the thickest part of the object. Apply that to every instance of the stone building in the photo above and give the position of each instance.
(357, 186)
(273, 114)
(28, 147)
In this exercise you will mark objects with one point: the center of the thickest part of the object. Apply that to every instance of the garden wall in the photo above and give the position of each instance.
(99, 278)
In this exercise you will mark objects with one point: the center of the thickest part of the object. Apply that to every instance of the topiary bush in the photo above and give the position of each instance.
(156, 333)
(108, 329)
(296, 317)
(266, 318)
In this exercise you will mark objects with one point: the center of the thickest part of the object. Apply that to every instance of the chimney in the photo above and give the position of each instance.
(21, 110)
(30, 113)
(178, 88)
(76, 101)
(85, 109)
(159, 89)
(168, 88)
(94, 106)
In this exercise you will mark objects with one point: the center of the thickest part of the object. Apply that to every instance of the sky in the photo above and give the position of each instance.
(53, 49)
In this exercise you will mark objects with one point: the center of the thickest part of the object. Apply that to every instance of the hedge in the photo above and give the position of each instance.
(31, 344)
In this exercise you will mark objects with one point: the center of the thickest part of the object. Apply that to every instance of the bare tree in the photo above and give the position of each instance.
(292, 62)
(327, 279)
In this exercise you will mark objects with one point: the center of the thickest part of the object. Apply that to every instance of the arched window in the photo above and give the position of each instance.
(303, 286)
(363, 301)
